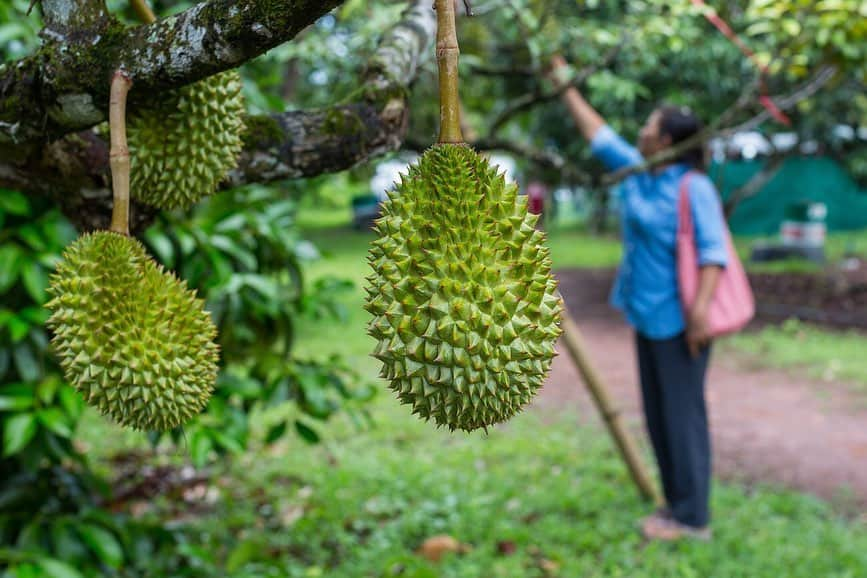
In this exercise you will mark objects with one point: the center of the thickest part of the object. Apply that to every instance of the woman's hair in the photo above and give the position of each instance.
(680, 123)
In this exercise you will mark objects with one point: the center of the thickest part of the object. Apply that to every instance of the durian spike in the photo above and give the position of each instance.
(143, 11)
(447, 63)
(119, 153)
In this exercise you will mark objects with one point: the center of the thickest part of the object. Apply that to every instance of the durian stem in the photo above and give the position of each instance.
(447, 61)
(143, 11)
(119, 153)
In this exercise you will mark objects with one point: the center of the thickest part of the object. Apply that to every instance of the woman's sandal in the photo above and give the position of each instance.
(669, 529)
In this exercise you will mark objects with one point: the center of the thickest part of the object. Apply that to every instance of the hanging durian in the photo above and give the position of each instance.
(186, 142)
(465, 309)
(131, 338)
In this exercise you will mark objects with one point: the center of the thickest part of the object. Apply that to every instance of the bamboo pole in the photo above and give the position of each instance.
(611, 414)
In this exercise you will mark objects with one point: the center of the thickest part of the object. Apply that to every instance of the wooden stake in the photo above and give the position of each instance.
(119, 153)
(611, 415)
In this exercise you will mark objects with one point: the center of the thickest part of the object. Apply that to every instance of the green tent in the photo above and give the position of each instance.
(812, 179)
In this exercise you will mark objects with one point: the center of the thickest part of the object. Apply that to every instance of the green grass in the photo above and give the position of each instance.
(830, 356)
(573, 247)
(837, 246)
(360, 503)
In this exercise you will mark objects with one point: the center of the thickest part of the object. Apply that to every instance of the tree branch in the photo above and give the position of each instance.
(812, 86)
(755, 184)
(64, 87)
(74, 169)
(508, 72)
(538, 96)
(64, 17)
(544, 159)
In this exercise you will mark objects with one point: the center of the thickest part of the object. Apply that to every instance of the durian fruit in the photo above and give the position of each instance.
(465, 309)
(186, 143)
(131, 338)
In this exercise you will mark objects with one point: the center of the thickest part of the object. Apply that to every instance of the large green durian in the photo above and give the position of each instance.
(131, 337)
(465, 309)
(187, 142)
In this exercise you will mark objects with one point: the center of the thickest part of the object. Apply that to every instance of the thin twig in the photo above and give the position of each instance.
(119, 154)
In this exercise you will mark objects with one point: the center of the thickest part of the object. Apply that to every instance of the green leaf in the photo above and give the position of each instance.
(13, 203)
(275, 432)
(35, 315)
(55, 420)
(47, 389)
(71, 402)
(57, 569)
(103, 543)
(306, 432)
(161, 246)
(26, 571)
(25, 362)
(228, 246)
(228, 442)
(15, 402)
(66, 543)
(36, 282)
(200, 447)
(243, 553)
(10, 263)
(18, 328)
(30, 234)
(17, 433)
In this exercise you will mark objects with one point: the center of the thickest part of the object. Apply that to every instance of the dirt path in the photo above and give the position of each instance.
(768, 425)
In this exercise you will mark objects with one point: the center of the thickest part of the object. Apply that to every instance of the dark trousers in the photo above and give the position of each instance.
(672, 387)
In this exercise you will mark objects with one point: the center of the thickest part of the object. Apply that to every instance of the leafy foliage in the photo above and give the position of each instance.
(241, 252)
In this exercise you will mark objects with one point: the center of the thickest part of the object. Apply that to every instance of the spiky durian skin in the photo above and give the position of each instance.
(187, 142)
(465, 309)
(131, 338)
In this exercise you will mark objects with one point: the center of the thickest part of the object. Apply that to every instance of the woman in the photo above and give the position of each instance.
(673, 346)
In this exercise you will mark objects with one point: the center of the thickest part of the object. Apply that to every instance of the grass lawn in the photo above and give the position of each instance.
(532, 499)
(829, 356)
(538, 497)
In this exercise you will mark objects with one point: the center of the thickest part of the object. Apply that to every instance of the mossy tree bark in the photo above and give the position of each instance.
(55, 157)
(63, 88)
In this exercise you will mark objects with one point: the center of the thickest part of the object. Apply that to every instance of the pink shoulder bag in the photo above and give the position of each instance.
(733, 305)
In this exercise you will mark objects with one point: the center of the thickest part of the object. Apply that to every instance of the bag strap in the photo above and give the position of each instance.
(684, 216)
